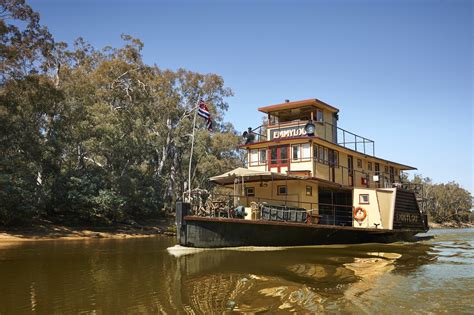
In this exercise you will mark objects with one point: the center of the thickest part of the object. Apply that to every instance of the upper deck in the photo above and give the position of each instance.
(303, 137)
(289, 119)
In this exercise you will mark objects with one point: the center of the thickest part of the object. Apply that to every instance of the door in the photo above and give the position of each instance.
(350, 169)
(279, 161)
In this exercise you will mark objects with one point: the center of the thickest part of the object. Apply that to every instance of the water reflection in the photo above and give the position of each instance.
(141, 276)
(310, 279)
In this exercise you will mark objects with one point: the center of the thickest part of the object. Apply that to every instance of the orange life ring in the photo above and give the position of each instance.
(359, 214)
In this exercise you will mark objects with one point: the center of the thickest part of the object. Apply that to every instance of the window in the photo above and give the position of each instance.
(319, 115)
(377, 168)
(359, 163)
(273, 155)
(364, 199)
(296, 152)
(282, 190)
(386, 169)
(309, 190)
(333, 158)
(369, 166)
(250, 191)
(263, 156)
(321, 154)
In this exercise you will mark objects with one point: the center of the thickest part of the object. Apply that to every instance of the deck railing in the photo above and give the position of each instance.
(324, 130)
(269, 209)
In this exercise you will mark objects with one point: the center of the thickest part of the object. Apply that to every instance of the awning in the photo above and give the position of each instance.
(250, 175)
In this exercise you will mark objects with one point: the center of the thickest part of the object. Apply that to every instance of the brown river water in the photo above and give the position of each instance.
(153, 276)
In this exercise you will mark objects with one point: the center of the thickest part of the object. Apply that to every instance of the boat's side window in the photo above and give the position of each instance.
(273, 155)
(359, 163)
(296, 152)
(364, 198)
(282, 190)
(309, 190)
(263, 156)
(250, 191)
(369, 166)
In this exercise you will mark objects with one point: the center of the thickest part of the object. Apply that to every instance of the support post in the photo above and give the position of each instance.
(182, 210)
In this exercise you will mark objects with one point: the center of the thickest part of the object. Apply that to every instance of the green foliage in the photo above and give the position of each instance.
(444, 202)
(98, 136)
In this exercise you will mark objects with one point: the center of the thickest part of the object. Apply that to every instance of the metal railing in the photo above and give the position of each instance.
(324, 130)
(269, 209)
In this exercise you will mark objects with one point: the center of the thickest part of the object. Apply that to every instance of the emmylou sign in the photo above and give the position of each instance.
(296, 131)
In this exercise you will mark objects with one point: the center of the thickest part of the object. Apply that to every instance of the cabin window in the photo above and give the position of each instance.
(263, 156)
(305, 151)
(309, 190)
(364, 199)
(250, 191)
(282, 190)
(253, 158)
(296, 152)
(273, 155)
(386, 170)
(333, 158)
(369, 166)
(359, 163)
(319, 115)
(377, 168)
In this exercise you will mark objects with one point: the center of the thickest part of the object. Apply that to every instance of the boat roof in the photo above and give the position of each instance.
(313, 102)
(250, 175)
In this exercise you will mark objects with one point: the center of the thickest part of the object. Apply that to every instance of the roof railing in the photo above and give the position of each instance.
(324, 130)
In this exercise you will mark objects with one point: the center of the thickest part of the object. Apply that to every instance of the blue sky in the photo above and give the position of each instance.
(401, 72)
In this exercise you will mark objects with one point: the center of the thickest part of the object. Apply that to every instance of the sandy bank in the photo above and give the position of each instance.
(49, 231)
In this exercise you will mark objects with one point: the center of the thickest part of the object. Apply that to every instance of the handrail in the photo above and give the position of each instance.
(356, 142)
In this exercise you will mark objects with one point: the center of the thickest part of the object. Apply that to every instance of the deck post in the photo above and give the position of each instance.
(182, 210)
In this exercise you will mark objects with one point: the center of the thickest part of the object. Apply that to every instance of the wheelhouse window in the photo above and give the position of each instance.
(250, 191)
(263, 156)
(282, 190)
(319, 115)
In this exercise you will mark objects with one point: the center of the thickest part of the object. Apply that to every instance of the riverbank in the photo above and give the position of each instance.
(45, 230)
(451, 225)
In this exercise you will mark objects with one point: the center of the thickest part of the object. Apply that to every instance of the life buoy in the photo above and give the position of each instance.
(359, 214)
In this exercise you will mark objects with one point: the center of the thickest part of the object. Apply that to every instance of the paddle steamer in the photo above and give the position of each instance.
(306, 182)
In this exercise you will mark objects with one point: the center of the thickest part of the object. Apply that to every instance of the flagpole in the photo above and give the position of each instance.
(192, 148)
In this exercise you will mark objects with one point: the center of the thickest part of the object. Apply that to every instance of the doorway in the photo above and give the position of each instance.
(279, 161)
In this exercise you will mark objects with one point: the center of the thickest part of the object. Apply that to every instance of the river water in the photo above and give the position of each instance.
(152, 275)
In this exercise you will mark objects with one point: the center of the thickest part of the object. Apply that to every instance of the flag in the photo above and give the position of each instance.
(203, 111)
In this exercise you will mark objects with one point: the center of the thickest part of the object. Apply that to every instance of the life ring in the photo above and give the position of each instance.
(359, 214)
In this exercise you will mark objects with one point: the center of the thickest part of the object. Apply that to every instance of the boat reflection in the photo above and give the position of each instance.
(307, 279)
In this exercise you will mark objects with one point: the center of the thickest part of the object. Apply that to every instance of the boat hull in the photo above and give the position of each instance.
(206, 232)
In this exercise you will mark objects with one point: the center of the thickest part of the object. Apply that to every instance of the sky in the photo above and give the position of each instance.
(401, 72)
